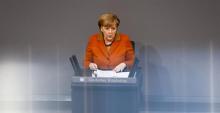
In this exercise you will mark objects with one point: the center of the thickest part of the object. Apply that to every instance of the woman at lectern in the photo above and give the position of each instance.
(109, 49)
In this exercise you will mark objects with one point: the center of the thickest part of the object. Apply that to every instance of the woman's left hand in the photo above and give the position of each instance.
(119, 67)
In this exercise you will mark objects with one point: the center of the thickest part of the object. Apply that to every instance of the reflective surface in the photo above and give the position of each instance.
(180, 56)
(65, 107)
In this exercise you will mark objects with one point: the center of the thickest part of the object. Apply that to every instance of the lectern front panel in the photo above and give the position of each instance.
(104, 95)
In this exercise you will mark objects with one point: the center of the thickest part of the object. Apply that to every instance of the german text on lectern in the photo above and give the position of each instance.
(104, 95)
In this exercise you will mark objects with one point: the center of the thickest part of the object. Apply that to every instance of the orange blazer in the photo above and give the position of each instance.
(121, 51)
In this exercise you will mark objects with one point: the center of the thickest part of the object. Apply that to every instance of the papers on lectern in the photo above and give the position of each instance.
(110, 74)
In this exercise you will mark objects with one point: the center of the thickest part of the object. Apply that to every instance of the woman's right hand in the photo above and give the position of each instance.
(93, 66)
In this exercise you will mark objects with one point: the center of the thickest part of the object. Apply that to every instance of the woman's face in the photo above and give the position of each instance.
(109, 32)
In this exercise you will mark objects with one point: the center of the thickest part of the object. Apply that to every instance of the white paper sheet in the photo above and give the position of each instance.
(110, 73)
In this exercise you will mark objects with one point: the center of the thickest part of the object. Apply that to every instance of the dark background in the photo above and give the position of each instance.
(177, 42)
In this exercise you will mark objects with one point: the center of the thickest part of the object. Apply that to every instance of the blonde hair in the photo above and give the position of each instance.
(108, 20)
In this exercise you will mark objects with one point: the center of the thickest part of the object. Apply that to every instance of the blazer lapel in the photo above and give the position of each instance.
(116, 43)
(114, 47)
(103, 49)
(102, 45)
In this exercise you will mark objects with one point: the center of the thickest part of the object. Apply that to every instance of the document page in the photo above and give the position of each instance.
(110, 73)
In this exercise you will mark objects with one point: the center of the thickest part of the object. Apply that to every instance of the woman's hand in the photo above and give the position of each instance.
(119, 67)
(93, 66)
